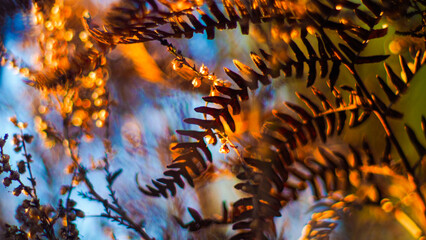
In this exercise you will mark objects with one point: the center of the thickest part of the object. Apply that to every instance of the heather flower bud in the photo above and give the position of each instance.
(72, 216)
(71, 203)
(61, 214)
(47, 209)
(17, 191)
(21, 166)
(22, 125)
(14, 175)
(34, 230)
(7, 182)
(16, 139)
(6, 167)
(17, 149)
(79, 213)
(35, 202)
(64, 189)
(14, 120)
(34, 213)
(28, 138)
(5, 158)
(26, 204)
(69, 169)
(79, 177)
(27, 190)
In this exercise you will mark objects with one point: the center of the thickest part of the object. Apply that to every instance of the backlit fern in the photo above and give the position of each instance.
(322, 50)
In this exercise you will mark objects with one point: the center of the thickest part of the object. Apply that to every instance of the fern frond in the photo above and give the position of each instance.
(191, 158)
(253, 216)
(324, 221)
(401, 83)
(199, 222)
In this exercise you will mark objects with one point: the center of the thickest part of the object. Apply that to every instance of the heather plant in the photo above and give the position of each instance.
(347, 146)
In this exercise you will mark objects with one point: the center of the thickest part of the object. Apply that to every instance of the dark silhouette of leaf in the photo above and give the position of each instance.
(374, 7)
(334, 74)
(389, 93)
(112, 177)
(405, 69)
(370, 59)
(366, 18)
(400, 85)
(414, 140)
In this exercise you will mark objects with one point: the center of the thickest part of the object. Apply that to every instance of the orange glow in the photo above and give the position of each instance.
(196, 82)
(145, 65)
(49, 25)
(99, 123)
(68, 35)
(83, 36)
(224, 149)
(55, 9)
(98, 102)
(408, 224)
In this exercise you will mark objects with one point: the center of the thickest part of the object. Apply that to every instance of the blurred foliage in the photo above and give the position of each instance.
(107, 85)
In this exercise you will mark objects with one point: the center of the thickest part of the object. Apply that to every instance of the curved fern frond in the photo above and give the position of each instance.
(191, 162)
(147, 21)
(283, 168)
(152, 20)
